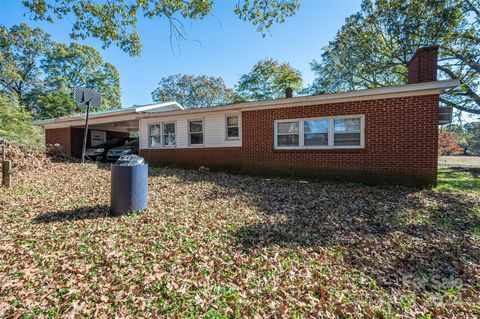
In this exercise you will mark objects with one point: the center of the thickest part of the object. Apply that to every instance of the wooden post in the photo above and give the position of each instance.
(7, 165)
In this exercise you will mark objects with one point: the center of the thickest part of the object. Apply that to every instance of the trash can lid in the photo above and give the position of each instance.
(130, 160)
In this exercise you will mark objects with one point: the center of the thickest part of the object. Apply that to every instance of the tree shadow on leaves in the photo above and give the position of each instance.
(397, 236)
(83, 213)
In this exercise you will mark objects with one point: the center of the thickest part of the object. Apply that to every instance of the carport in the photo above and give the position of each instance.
(68, 131)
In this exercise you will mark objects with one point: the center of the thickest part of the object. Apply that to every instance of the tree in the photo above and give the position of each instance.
(16, 123)
(373, 47)
(56, 103)
(193, 91)
(472, 133)
(69, 66)
(20, 51)
(36, 71)
(115, 21)
(447, 144)
(268, 80)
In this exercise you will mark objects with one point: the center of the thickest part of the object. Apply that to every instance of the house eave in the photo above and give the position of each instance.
(416, 89)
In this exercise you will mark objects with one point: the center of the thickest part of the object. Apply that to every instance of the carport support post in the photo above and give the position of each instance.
(85, 133)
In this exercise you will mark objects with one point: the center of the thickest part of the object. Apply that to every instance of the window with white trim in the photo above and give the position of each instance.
(232, 127)
(315, 132)
(169, 134)
(195, 130)
(154, 135)
(288, 134)
(347, 131)
(326, 132)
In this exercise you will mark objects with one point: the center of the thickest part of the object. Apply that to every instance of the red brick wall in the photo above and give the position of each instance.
(400, 145)
(59, 136)
(228, 158)
(423, 65)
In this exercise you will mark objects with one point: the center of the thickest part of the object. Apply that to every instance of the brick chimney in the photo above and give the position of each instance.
(288, 93)
(423, 65)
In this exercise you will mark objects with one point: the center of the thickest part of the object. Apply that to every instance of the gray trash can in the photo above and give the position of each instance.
(129, 185)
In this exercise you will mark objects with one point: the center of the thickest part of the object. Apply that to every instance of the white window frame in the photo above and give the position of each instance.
(238, 116)
(300, 130)
(163, 134)
(189, 133)
(148, 135)
(330, 133)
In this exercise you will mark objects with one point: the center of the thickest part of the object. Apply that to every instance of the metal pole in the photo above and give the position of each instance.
(85, 133)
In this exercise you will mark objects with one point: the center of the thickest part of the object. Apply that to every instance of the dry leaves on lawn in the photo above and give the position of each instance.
(214, 245)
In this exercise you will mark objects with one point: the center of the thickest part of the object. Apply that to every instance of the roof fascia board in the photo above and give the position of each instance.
(118, 112)
(91, 121)
(362, 95)
(156, 106)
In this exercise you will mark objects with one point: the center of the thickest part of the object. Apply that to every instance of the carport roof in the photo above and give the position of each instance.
(133, 111)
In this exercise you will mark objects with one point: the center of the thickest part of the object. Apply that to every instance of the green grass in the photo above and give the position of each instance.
(463, 180)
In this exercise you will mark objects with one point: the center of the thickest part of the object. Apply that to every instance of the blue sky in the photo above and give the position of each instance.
(221, 45)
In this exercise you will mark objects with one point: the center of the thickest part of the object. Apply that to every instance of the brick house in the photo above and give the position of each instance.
(380, 135)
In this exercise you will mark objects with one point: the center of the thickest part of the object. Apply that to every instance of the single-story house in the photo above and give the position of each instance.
(377, 135)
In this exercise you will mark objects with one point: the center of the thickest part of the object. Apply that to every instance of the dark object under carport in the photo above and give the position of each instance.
(129, 185)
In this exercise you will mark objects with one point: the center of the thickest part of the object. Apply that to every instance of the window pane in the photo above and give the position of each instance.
(316, 126)
(154, 129)
(154, 141)
(232, 121)
(288, 140)
(196, 126)
(347, 125)
(168, 128)
(316, 139)
(287, 128)
(196, 138)
(232, 132)
(169, 139)
(347, 139)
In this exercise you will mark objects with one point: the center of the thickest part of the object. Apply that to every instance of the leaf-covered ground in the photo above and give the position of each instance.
(215, 245)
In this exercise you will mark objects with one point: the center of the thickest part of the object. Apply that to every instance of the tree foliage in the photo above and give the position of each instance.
(448, 145)
(115, 21)
(373, 47)
(35, 70)
(69, 66)
(21, 48)
(268, 80)
(472, 138)
(16, 123)
(467, 136)
(193, 91)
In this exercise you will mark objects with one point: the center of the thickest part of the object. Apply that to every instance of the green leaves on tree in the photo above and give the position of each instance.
(116, 21)
(268, 80)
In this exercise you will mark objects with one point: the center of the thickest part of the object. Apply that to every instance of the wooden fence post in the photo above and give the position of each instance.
(6, 167)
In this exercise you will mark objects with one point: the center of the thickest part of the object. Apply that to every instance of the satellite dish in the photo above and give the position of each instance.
(90, 99)
(86, 96)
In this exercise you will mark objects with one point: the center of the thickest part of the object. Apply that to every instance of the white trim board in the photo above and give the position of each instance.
(417, 89)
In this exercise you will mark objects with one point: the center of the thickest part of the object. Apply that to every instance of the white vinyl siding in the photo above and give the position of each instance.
(213, 130)
(320, 133)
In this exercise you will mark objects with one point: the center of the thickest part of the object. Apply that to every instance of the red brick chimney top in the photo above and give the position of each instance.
(422, 67)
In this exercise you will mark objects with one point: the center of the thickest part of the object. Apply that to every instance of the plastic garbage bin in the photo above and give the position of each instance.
(129, 185)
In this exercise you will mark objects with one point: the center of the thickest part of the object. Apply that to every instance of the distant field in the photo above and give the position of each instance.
(470, 161)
